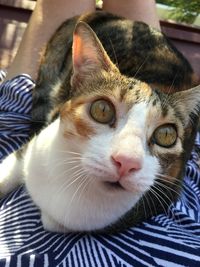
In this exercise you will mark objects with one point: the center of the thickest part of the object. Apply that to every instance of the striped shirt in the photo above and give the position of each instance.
(169, 240)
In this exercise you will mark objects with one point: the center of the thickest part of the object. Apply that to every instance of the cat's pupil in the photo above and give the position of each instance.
(165, 135)
(102, 111)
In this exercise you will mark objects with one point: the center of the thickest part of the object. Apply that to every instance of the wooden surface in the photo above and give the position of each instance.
(14, 15)
(23, 4)
(186, 39)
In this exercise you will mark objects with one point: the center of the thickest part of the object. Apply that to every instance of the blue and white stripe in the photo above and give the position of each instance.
(2, 76)
(171, 240)
(15, 107)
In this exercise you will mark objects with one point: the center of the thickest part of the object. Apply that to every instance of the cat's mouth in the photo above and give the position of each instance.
(114, 185)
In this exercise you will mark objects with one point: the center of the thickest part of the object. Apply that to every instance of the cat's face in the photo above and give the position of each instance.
(126, 134)
(123, 137)
(122, 142)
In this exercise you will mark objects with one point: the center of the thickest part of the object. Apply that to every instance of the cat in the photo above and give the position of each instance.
(110, 141)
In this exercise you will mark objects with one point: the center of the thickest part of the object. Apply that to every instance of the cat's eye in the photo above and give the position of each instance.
(165, 135)
(102, 111)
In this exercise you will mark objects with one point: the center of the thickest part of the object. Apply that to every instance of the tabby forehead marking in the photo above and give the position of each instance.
(83, 127)
(140, 92)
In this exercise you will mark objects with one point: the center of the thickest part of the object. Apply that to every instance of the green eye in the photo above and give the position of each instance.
(165, 135)
(102, 111)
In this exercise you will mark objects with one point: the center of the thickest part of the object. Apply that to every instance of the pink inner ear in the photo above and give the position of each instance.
(77, 47)
(84, 54)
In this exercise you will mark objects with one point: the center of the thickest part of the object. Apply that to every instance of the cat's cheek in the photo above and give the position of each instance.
(96, 160)
(100, 170)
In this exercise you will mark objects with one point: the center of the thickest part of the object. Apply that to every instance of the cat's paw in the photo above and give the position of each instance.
(52, 225)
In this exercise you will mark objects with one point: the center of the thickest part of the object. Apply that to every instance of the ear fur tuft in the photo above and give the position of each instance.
(188, 101)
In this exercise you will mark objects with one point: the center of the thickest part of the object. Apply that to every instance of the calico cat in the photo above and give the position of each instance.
(115, 138)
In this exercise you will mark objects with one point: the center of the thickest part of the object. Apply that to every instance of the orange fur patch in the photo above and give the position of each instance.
(83, 128)
(146, 89)
(69, 134)
(73, 113)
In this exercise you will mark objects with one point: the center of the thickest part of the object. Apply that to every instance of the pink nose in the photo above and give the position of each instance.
(126, 164)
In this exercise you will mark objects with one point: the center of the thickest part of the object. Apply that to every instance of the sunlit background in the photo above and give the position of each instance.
(14, 15)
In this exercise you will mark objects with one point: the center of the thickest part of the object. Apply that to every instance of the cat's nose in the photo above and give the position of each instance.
(126, 164)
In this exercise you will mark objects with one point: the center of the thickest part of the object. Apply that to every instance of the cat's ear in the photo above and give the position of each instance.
(88, 54)
(188, 102)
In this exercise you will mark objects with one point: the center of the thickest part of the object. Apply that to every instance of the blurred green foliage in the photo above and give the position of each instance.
(185, 10)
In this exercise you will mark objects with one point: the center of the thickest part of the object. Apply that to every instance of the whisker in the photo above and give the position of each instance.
(175, 185)
(174, 79)
(158, 198)
(145, 60)
(76, 174)
(76, 192)
(63, 189)
(63, 163)
(162, 192)
(172, 204)
(145, 212)
(87, 183)
(167, 187)
(149, 205)
(69, 152)
(115, 55)
(69, 183)
(66, 184)
(167, 176)
(84, 188)
(169, 91)
(56, 176)
(68, 157)
(170, 200)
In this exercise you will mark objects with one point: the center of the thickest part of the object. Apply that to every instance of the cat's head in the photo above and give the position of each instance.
(129, 141)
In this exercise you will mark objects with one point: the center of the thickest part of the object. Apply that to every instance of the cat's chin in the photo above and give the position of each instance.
(127, 186)
(113, 185)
